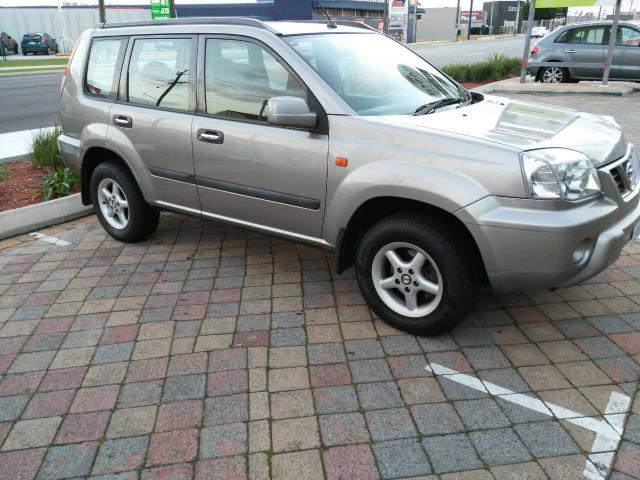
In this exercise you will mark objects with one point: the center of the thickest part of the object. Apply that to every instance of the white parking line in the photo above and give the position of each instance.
(51, 240)
(608, 430)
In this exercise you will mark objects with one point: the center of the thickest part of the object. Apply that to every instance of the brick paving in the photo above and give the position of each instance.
(214, 352)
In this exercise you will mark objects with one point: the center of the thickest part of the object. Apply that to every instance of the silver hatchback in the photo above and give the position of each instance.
(580, 51)
(339, 137)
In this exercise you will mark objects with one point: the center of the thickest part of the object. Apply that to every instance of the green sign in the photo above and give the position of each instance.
(160, 9)
(574, 3)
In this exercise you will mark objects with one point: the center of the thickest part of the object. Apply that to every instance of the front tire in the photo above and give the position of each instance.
(416, 274)
(119, 204)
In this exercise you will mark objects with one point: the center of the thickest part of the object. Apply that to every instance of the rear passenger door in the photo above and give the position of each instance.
(626, 54)
(151, 121)
(247, 170)
(585, 45)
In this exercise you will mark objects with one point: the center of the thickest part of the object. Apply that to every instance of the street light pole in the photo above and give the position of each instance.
(172, 8)
(457, 20)
(101, 14)
(515, 26)
(493, 4)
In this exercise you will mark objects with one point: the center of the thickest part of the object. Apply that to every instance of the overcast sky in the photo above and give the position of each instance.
(464, 4)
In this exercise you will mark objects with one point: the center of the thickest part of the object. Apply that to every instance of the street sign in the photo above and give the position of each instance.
(160, 9)
(398, 19)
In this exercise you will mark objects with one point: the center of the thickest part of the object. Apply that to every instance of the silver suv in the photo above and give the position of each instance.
(339, 137)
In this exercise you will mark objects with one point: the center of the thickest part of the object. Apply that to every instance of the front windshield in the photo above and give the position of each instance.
(374, 74)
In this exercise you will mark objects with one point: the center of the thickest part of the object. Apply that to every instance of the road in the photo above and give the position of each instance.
(31, 101)
(28, 101)
(441, 54)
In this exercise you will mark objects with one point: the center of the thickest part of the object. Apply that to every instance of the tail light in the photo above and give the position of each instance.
(41, 39)
(66, 67)
(534, 51)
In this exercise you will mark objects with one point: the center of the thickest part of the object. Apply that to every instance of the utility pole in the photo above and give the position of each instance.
(515, 26)
(493, 4)
(527, 41)
(457, 20)
(172, 8)
(613, 34)
(385, 23)
(101, 14)
(470, 15)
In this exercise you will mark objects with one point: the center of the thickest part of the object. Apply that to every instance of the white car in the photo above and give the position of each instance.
(539, 32)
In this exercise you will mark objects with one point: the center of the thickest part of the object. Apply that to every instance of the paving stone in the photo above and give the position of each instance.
(326, 353)
(230, 409)
(172, 447)
(11, 407)
(545, 439)
(67, 461)
(295, 434)
(379, 395)
(29, 362)
(21, 464)
(499, 446)
(227, 383)
(481, 414)
(179, 415)
(390, 424)
(232, 359)
(181, 471)
(401, 458)
(328, 375)
(139, 394)
(223, 440)
(32, 433)
(363, 349)
(130, 422)
(350, 461)
(337, 399)
(451, 453)
(289, 404)
(436, 418)
(628, 459)
(520, 471)
(281, 379)
(343, 428)
(519, 414)
(117, 352)
(297, 465)
(420, 390)
(120, 455)
(106, 374)
(93, 399)
(400, 345)
(374, 370)
(83, 427)
(282, 337)
(184, 387)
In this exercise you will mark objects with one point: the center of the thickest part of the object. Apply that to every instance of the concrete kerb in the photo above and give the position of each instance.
(16, 146)
(512, 85)
(32, 217)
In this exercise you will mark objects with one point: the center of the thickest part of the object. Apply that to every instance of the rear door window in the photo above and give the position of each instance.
(586, 35)
(628, 37)
(160, 71)
(104, 61)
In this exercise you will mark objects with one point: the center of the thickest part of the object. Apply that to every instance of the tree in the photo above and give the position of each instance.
(542, 13)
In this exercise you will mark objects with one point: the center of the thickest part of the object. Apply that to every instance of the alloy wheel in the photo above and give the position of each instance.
(113, 203)
(407, 279)
(553, 75)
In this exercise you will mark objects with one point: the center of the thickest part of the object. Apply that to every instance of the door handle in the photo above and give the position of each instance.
(570, 51)
(210, 136)
(122, 121)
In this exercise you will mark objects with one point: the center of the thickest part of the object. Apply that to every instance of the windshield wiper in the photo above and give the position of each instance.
(433, 106)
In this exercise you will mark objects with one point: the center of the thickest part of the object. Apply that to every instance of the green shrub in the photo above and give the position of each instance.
(45, 152)
(59, 182)
(496, 67)
(3, 172)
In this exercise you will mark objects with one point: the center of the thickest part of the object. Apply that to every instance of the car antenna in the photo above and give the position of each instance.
(331, 22)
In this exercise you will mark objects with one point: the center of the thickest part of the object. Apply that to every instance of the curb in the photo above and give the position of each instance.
(29, 218)
(21, 74)
(620, 89)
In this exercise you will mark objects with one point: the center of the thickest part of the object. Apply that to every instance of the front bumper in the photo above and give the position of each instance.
(529, 244)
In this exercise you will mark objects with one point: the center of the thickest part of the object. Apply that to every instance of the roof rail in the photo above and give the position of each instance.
(247, 21)
(344, 23)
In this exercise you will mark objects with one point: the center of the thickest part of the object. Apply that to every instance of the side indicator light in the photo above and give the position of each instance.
(342, 161)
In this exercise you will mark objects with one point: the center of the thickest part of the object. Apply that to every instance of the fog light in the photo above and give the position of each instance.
(582, 253)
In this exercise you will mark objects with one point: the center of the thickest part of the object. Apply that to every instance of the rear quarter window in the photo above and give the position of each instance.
(103, 65)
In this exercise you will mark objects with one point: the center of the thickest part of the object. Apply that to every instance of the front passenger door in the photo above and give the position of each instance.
(586, 45)
(626, 54)
(248, 171)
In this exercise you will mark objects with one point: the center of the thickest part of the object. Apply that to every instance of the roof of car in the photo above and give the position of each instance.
(602, 22)
(277, 27)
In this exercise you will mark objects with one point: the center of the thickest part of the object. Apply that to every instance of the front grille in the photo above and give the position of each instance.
(625, 172)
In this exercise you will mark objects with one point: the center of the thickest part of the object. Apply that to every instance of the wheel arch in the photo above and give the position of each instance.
(375, 209)
(93, 157)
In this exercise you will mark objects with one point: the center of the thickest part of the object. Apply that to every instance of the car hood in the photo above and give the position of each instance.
(528, 125)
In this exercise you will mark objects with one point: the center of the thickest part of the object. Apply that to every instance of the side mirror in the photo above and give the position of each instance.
(291, 112)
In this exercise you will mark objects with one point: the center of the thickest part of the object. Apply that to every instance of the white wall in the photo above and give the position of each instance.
(18, 21)
(437, 24)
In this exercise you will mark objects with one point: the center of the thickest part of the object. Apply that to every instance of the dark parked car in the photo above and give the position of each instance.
(39, 43)
(582, 48)
(9, 42)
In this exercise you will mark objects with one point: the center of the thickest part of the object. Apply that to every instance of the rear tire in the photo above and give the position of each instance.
(554, 75)
(427, 284)
(119, 204)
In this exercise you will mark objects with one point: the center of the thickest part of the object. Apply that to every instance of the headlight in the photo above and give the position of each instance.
(559, 173)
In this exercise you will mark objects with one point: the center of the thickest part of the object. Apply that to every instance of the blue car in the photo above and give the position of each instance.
(38, 43)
